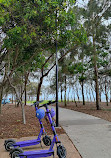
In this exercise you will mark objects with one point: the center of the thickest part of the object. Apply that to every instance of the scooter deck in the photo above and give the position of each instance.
(37, 153)
(27, 143)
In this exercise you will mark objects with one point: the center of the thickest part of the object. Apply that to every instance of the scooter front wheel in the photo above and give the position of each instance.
(61, 151)
(15, 153)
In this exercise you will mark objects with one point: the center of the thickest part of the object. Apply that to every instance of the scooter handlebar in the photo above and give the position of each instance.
(37, 103)
(50, 102)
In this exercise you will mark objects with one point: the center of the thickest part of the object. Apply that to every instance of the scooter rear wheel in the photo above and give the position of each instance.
(9, 144)
(47, 140)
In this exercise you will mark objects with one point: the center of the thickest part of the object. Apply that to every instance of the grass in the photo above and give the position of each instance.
(31, 102)
(107, 109)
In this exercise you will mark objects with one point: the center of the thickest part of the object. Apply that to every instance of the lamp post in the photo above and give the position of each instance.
(57, 107)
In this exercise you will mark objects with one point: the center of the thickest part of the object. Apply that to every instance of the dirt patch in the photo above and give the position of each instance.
(90, 108)
(11, 125)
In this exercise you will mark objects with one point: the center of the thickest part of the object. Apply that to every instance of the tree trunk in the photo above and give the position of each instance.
(19, 101)
(39, 88)
(15, 100)
(93, 94)
(96, 76)
(65, 102)
(23, 113)
(1, 95)
(107, 99)
(21, 95)
(25, 89)
(90, 96)
(96, 87)
(12, 96)
(25, 86)
(75, 100)
(82, 86)
(77, 94)
(1, 91)
(72, 98)
(100, 95)
(110, 90)
(61, 94)
(68, 97)
(106, 93)
(100, 90)
(87, 95)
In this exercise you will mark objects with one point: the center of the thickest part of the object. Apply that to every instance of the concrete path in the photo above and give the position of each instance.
(90, 135)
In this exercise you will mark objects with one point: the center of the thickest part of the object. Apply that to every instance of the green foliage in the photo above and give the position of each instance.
(82, 78)
(77, 68)
(14, 37)
(26, 21)
(31, 29)
(97, 47)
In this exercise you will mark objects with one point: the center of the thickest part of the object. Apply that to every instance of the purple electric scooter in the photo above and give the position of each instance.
(11, 143)
(61, 151)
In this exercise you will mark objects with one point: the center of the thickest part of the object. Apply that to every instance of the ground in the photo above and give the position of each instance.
(71, 150)
(11, 119)
(11, 125)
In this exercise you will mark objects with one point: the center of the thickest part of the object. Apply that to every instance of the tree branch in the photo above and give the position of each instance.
(59, 60)
(47, 60)
(3, 55)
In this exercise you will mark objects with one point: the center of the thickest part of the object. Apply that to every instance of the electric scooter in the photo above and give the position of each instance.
(11, 143)
(61, 151)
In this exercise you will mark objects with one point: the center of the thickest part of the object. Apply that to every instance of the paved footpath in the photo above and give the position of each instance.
(90, 135)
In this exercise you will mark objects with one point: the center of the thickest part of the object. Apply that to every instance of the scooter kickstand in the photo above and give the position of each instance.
(41, 145)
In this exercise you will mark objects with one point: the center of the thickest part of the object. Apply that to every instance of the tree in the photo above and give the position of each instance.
(79, 69)
(67, 38)
(16, 24)
(94, 15)
(34, 23)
